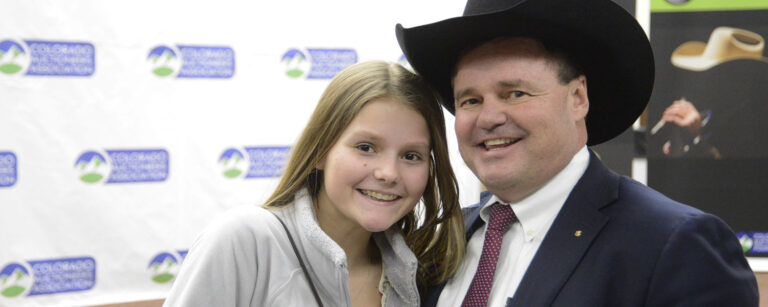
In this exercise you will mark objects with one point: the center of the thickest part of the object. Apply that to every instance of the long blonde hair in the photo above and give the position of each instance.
(438, 242)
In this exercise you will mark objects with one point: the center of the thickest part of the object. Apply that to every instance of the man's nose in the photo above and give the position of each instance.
(491, 114)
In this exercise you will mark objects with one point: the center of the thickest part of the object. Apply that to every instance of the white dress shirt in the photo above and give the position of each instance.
(535, 215)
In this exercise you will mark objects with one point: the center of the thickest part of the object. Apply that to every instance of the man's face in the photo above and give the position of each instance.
(517, 125)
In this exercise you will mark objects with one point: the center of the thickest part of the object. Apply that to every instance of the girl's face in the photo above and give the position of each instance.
(377, 170)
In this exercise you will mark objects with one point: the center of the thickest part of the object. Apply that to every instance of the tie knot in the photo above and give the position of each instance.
(502, 217)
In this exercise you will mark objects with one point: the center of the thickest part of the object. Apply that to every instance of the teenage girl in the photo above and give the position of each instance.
(373, 149)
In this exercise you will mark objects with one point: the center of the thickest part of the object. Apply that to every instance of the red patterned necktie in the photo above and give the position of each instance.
(501, 218)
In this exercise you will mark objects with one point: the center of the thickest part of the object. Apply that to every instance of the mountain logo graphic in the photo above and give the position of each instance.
(234, 163)
(93, 167)
(14, 280)
(296, 63)
(746, 242)
(164, 267)
(14, 58)
(165, 61)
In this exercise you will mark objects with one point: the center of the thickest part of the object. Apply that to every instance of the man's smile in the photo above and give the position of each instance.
(498, 143)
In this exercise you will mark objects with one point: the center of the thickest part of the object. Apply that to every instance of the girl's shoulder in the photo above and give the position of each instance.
(245, 222)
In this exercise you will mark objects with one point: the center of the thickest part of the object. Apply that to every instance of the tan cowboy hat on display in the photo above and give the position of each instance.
(725, 44)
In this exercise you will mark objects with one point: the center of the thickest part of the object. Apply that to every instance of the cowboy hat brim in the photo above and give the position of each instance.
(600, 36)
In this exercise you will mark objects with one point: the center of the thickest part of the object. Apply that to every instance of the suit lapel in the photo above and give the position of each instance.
(571, 234)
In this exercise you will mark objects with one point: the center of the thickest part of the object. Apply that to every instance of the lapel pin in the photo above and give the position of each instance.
(577, 233)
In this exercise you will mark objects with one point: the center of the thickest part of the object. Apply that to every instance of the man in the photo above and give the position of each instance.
(532, 84)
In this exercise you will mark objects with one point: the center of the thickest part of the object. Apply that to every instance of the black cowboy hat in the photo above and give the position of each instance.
(598, 35)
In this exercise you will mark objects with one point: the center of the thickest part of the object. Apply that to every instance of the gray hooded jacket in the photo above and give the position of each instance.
(244, 258)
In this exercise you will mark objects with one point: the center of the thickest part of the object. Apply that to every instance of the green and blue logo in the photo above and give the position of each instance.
(317, 63)
(254, 161)
(93, 167)
(746, 242)
(8, 169)
(234, 163)
(47, 58)
(124, 166)
(164, 61)
(14, 58)
(296, 63)
(754, 243)
(49, 276)
(15, 280)
(164, 267)
(184, 61)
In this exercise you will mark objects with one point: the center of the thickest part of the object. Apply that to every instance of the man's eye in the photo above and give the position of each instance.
(468, 102)
(365, 147)
(517, 94)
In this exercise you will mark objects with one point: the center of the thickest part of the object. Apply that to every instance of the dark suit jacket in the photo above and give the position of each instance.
(636, 248)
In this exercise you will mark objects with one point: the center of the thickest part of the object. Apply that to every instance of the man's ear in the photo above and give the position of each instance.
(578, 98)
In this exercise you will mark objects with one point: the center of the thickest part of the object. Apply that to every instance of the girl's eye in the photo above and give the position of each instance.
(365, 147)
(412, 157)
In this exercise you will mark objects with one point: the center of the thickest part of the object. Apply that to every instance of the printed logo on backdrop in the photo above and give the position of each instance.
(47, 58)
(296, 63)
(233, 163)
(14, 57)
(8, 169)
(317, 63)
(165, 266)
(165, 61)
(50, 276)
(754, 243)
(183, 61)
(15, 280)
(93, 167)
(123, 166)
(254, 162)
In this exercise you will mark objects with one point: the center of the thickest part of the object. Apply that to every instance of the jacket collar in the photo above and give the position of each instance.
(399, 262)
(562, 249)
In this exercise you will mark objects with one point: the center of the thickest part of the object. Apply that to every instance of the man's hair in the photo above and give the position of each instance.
(567, 68)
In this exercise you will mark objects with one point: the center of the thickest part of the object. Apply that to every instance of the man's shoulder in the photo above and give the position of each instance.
(641, 206)
(645, 198)
(631, 196)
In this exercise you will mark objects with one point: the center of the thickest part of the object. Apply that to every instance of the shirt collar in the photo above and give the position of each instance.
(536, 212)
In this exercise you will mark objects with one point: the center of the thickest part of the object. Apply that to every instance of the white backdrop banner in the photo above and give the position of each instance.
(127, 126)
